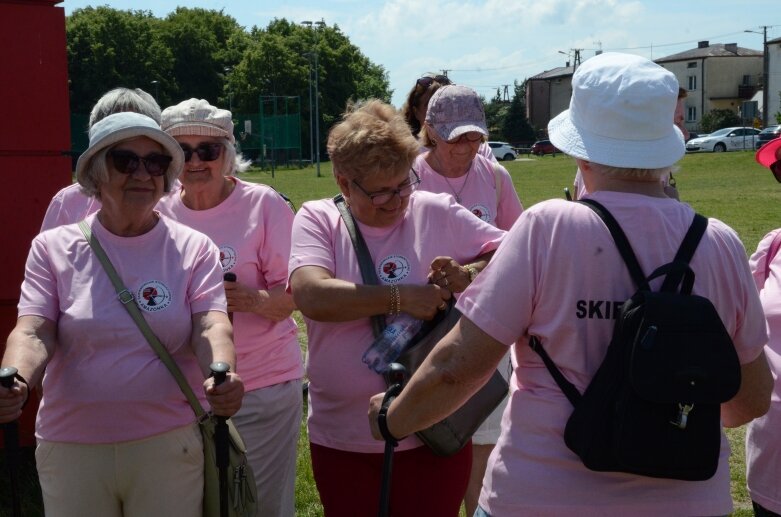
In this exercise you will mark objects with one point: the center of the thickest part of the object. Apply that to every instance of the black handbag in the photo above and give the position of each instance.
(448, 436)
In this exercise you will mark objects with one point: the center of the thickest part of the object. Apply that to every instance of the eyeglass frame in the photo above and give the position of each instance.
(202, 146)
(463, 136)
(139, 160)
(400, 191)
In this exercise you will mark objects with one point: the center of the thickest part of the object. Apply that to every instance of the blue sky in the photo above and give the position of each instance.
(489, 43)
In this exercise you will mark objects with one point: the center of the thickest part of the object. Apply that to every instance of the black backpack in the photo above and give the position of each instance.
(653, 406)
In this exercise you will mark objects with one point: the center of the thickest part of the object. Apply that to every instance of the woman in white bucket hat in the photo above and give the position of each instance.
(556, 276)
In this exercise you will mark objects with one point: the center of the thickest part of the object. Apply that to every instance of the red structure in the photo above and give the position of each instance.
(34, 140)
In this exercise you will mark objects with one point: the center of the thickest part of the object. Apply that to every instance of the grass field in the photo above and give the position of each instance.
(728, 186)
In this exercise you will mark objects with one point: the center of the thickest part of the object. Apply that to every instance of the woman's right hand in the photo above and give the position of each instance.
(11, 402)
(423, 301)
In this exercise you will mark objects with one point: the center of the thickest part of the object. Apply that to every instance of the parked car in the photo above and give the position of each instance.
(726, 139)
(502, 151)
(768, 134)
(543, 147)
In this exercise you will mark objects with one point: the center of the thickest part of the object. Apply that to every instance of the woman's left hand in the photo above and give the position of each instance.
(446, 272)
(225, 399)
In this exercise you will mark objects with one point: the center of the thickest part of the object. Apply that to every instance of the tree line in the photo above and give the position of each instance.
(196, 52)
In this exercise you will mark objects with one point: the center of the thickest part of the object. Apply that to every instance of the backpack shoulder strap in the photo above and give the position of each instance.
(622, 243)
(569, 389)
(365, 262)
(685, 253)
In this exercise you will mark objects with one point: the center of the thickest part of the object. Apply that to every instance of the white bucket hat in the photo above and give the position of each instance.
(620, 114)
(123, 126)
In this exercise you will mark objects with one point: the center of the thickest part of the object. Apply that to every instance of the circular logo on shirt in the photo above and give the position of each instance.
(227, 257)
(482, 212)
(393, 269)
(153, 296)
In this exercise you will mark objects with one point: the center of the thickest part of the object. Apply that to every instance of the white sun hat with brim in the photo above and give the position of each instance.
(126, 125)
(620, 114)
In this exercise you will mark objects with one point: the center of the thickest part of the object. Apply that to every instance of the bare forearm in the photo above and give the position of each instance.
(212, 340)
(753, 398)
(355, 301)
(275, 304)
(29, 347)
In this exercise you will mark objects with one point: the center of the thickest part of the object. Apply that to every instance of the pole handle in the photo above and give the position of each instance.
(219, 372)
(8, 376)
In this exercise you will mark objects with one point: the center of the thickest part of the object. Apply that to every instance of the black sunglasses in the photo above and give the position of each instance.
(405, 190)
(427, 81)
(775, 168)
(207, 152)
(127, 162)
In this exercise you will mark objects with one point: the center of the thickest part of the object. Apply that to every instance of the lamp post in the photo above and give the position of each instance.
(320, 25)
(311, 113)
(765, 73)
(156, 91)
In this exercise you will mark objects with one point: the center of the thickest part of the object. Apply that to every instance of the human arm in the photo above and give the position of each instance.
(28, 348)
(448, 273)
(459, 365)
(753, 398)
(322, 297)
(274, 304)
(212, 341)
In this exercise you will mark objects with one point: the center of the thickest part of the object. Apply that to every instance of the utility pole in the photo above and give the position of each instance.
(765, 72)
(445, 71)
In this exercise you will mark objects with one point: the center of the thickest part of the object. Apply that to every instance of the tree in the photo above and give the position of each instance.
(719, 118)
(515, 126)
(108, 48)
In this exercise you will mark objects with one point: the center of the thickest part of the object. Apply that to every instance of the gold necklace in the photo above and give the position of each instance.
(456, 194)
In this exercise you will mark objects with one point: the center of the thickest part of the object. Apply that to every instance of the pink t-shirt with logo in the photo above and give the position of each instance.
(559, 276)
(476, 190)
(340, 384)
(763, 440)
(68, 206)
(252, 229)
(104, 383)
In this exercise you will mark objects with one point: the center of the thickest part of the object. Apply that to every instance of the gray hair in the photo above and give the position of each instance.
(631, 173)
(96, 174)
(125, 99)
(235, 163)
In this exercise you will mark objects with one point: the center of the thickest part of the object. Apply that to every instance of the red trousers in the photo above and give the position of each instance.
(421, 484)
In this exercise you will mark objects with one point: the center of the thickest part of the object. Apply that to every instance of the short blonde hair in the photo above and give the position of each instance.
(372, 138)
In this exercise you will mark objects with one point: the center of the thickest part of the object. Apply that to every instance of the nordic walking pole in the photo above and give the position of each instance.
(220, 372)
(395, 376)
(229, 277)
(11, 436)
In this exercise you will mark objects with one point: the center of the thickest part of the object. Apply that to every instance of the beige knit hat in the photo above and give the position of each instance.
(197, 117)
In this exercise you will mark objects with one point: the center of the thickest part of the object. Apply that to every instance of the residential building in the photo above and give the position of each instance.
(719, 76)
(547, 95)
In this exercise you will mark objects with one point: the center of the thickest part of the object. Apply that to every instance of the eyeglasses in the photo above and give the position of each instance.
(127, 162)
(471, 136)
(207, 152)
(427, 81)
(380, 198)
(775, 168)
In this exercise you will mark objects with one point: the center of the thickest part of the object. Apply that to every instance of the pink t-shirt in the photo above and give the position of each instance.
(763, 440)
(559, 276)
(252, 229)
(486, 152)
(104, 383)
(68, 206)
(476, 190)
(340, 384)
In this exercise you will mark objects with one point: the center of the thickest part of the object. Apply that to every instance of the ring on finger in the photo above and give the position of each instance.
(442, 306)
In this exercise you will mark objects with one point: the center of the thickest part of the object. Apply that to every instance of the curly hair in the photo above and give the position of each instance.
(372, 138)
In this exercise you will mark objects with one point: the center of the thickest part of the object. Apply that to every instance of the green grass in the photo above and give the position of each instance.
(728, 186)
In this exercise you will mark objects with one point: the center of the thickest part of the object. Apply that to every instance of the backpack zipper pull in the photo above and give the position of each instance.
(683, 415)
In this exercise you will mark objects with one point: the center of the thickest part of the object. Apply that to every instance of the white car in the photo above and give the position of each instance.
(502, 151)
(726, 139)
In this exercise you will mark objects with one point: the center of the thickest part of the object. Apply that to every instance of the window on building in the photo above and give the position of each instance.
(746, 80)
(691, 114)
(691, 64)
(692, 83)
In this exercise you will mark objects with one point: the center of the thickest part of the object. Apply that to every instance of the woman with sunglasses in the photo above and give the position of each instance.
(408, 233)
(453, 131)
(116, 435)
(250, 224)
(763, 444)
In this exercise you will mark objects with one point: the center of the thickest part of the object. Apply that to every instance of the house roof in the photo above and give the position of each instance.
(777, 40)
(715, 50)
(561, 71)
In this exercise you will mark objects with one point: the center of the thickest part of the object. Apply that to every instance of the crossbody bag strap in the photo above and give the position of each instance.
(498, 180)
(365, 262)
(128, 301)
